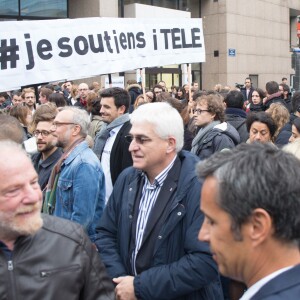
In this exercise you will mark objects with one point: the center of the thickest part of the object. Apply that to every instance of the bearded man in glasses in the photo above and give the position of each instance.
(147, 236)
(48, 154)
(76, 187)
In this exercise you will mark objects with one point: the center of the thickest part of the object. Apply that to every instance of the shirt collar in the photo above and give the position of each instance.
(160, 178)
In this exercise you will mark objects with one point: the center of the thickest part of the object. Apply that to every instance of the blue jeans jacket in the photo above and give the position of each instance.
(80, 189)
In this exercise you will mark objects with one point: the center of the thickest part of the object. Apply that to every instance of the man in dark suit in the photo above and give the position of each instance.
(110, 144)
(252, 218)
(247, 90)
(147, 235)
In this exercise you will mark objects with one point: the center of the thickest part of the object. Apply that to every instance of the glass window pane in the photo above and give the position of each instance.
(147, 2)
(166, 3)
(44, 8)
(9, 7)
(191, 5)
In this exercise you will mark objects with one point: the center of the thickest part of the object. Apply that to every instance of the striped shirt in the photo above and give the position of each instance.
(150, 193)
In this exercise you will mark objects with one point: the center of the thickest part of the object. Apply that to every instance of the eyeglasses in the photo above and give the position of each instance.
(138, 139)
(199, 111)
(80, 90)
(55, 124)
(44, 133)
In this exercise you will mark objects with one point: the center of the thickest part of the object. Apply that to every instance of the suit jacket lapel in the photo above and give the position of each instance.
(166, 193)
(281, 282)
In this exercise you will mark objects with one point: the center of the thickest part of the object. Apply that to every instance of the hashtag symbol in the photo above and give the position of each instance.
(9, 53)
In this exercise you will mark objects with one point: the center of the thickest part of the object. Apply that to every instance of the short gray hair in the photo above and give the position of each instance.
(166, 120)
(80, 117)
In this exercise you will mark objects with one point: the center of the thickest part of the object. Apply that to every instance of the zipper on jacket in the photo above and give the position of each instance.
(10, 265)
(10, 268)
(48, 273)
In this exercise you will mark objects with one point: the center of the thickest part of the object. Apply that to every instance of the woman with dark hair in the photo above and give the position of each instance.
(180, 94)
(261, 127)
(58, 99)
(184, 113)
(215, 134)
(256, 103)
(295, 130)
(24, 116)
(96, 120)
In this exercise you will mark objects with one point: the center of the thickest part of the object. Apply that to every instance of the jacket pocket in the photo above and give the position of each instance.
(65, 196)
(51, 272)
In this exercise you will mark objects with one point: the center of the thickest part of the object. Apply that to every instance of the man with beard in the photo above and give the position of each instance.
(48, 154)
(41, 257)
(30, 99)
(76, 187)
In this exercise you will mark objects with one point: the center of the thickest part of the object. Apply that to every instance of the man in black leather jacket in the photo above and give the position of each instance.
(42, 257)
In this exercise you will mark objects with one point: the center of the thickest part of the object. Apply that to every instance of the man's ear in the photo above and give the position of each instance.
(76, 129)
(261, 226)
(171, 144)
(122, 109)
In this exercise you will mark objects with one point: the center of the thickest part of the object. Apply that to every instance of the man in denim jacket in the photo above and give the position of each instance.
(77, 179)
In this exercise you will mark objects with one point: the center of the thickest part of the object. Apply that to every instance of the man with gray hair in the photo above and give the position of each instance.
(148, 232)
(42, 257)
(252, 219)
(76, 188)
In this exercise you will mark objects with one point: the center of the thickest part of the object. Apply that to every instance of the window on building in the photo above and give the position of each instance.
(34, 8)
(191, 5)
(9, 7)
(147, 2)
(166, 3)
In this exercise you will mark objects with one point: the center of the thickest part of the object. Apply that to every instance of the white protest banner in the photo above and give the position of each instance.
(50, 50)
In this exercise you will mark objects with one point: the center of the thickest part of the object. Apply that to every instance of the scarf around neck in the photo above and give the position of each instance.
(103, 134)
(50, 197)
(201, 135)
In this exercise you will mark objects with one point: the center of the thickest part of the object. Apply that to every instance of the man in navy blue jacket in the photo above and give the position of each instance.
(252, 218)
(147, 236)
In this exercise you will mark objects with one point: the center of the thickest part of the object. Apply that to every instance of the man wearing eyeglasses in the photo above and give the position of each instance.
(76, 187)
(147, 236)
(83, 90)
(48, 154)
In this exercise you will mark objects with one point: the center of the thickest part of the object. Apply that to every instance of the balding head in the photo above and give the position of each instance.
(83, 89)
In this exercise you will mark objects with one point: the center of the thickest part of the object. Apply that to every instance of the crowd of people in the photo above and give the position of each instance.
(121, 164)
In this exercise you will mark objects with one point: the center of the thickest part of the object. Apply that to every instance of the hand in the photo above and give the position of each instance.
(124, 289)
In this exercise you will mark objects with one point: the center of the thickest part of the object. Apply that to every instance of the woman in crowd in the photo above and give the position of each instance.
(184, 113)
(295, 130)
(93, 108)
(281, 117)
(139, 101)
(256, 103)
(261, 127)
(24, 116)
(180, 94)
(215, 134)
